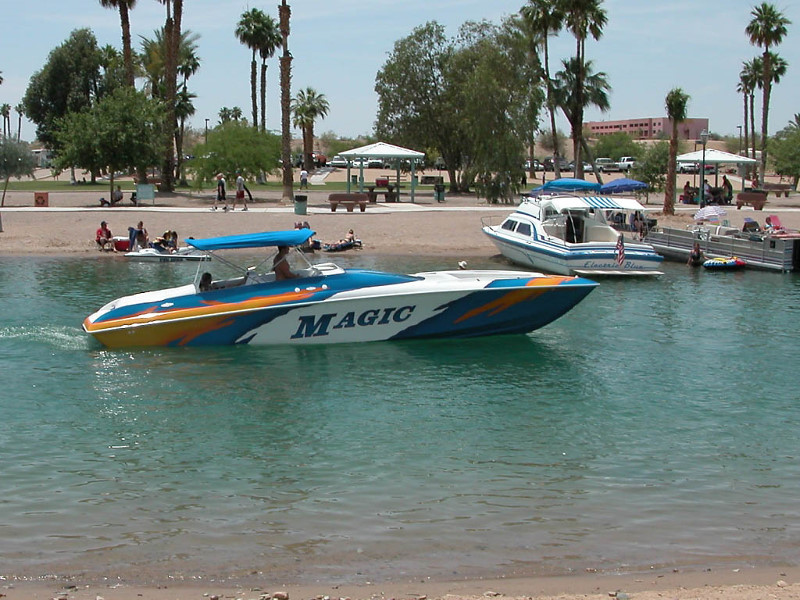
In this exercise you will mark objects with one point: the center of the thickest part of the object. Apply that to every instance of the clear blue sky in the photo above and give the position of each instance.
(648, 47)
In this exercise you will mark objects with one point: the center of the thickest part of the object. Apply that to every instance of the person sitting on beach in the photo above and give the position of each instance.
(280, 264)
(349, 238)
(116, 196)
(137, 236)
(103, 237)
(696, 257)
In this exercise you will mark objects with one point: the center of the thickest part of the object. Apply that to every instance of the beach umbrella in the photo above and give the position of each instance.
(621, 186)
(709, 213)
(568, 184)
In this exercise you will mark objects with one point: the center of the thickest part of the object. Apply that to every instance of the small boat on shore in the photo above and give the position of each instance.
(324, 303)
(157, 255)
(573, 235)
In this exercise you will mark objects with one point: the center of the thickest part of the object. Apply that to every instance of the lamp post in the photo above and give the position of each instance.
(704, 141)
(739, 127)
(206, 131)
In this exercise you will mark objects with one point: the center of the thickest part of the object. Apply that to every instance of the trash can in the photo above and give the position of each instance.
(41, 199)
(438, 192)
(300, 204)
(354, 179)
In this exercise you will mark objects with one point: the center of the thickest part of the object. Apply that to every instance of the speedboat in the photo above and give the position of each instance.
(325, 304)
(573, 235)
(157, 255)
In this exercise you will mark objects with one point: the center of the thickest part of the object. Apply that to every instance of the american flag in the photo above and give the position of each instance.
(620, 251)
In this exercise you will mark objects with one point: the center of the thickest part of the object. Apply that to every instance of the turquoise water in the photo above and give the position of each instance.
(655, 424)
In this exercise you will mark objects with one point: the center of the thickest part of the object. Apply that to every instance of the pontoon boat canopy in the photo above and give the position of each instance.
(290, 237)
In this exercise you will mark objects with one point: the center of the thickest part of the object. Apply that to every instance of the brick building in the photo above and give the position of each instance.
(649, 128)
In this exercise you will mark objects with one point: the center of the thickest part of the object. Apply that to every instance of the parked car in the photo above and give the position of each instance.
(605, 165)
(549, 165)
(532, 164)
(375, 163)
(338, 161)
(587, 167)
(688, 167)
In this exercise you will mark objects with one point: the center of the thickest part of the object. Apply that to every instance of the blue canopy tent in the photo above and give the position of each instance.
(567, 184)
(621, 186)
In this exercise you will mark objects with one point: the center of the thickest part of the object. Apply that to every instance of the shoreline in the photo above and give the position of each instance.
(748, 583)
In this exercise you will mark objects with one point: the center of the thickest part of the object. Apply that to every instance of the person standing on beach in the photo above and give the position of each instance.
(303, 179)
(239, 192)
(220, 193)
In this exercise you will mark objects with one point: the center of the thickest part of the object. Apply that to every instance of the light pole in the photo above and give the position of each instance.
(740, 139)
(704, 141)
(206, 131)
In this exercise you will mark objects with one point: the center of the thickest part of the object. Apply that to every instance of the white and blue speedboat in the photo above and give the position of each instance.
(326, 304)
(572, 235)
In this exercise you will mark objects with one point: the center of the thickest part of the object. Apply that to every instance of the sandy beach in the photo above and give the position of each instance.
(450, 230)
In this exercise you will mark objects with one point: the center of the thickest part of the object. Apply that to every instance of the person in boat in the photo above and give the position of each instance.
(205, 282)
(696, 257)
(280, 264)
(103, 237)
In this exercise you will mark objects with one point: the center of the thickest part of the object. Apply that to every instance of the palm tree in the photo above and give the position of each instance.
(595, 93)
(184, 108)
(676, 104)
(248, 31)
(307, 106)
(755, 83)
(20, 108)
(794, 123)
(767, 28)
(583, 18)
(269, 40)
(285, 13)
(545, 19)
(124, 6)
(747, 83)
(5, 111)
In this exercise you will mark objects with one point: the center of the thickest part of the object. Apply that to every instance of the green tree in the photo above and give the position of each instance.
(594, 92)
(415, 104)
(16, 160)
(124, 6)
(785, 151)
(616, 145)
(766, 29)
(545, 18)
(583, 18)
(650, 168)
(68, 82)
(676, 104)
(235, 147)
(121, 132)
(488, 68)
(307, 107)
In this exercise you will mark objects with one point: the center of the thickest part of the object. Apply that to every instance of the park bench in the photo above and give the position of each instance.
(348, 200)
(755, 199)
(778, 188)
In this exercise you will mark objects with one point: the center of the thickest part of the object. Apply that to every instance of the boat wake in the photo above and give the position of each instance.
(59, 337)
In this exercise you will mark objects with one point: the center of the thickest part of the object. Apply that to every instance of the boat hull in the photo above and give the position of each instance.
(153, 255)
(351, 307)
(570, 259)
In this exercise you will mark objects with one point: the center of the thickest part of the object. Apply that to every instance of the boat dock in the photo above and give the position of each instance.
(773, 252)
